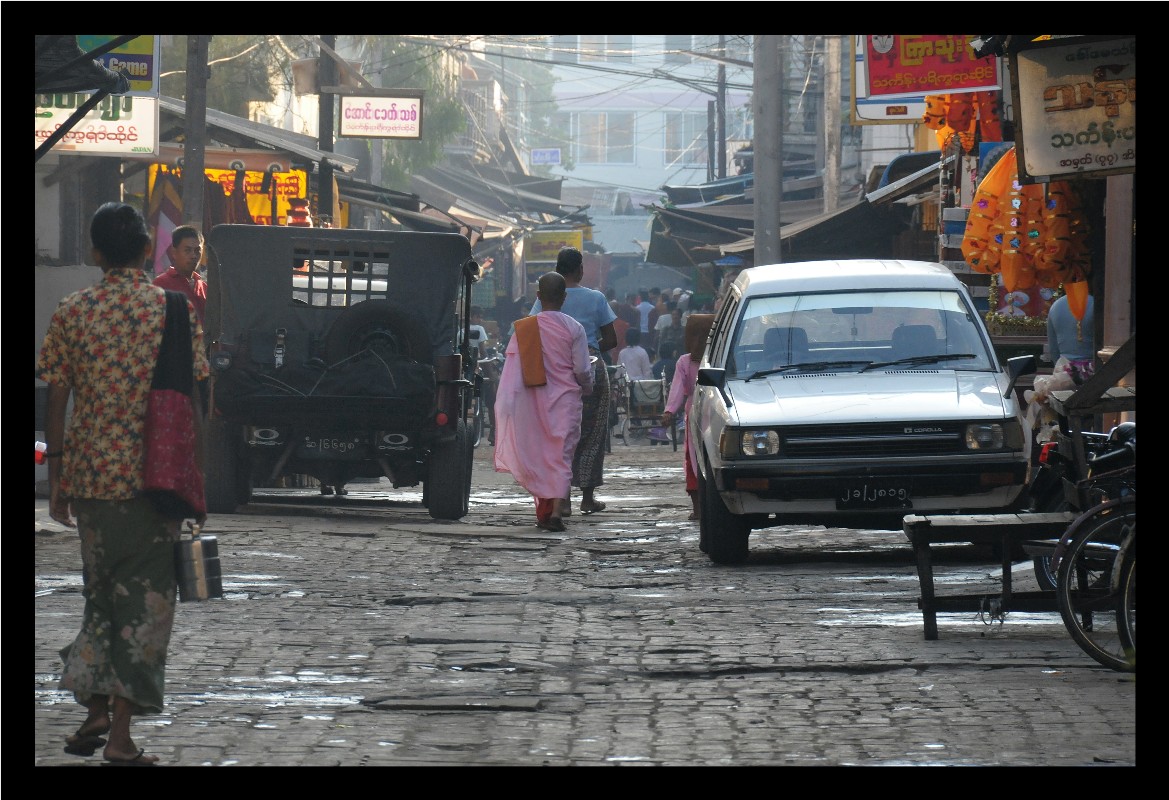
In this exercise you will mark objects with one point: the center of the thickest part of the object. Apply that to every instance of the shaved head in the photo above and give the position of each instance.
(551, 289)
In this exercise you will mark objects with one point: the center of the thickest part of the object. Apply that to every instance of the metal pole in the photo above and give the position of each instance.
(766, 99)
(721, 108)
(195, 136)
(326, 76)
(832, 123)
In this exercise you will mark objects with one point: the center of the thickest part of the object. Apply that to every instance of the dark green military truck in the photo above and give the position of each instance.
(339, 354)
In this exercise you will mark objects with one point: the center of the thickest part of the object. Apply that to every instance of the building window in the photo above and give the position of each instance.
(675, 45)
(685, 139)
(621, 49)
(564, 49)
(604, 138)
(592, 49)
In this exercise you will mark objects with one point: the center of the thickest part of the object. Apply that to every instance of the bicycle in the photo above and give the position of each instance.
(618, 398)
(480, 411)
(1096, 577)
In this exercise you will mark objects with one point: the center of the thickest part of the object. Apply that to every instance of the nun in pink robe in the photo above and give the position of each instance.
(538, 426)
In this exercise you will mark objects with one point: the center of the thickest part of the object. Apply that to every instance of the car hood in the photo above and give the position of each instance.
(889, 396)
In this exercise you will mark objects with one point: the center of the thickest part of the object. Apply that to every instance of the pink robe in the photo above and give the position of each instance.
(682, 392)
(538, 428)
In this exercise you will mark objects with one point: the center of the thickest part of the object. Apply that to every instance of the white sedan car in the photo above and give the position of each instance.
(851, 393)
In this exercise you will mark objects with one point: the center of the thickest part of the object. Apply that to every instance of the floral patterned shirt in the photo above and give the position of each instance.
(103, 344)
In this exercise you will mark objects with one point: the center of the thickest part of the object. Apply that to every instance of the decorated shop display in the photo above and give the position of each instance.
(1032, 237)
(971, 116)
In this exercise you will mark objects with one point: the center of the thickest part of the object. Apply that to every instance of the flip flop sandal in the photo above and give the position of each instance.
(83, 745)
(136, 761)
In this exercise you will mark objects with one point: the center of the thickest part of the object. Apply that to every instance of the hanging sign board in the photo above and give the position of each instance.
(878, 110)
(120, 125)
(1075, 102)
(138, 59)
(397, 114)
(901, 65)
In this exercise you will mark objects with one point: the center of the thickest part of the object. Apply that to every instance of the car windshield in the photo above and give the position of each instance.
(857, 331)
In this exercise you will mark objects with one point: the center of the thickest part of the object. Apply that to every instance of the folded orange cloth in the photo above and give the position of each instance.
(527, 331)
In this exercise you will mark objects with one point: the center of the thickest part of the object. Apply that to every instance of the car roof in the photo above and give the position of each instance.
(857, 273)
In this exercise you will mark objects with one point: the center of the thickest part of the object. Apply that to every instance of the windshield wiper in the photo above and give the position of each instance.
(812, 366)
(934, 359)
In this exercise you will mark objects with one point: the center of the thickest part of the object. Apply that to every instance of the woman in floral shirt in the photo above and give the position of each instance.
(101, 347)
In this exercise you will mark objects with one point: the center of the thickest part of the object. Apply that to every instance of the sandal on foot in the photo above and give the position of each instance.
(554, 524)
(592, 508)
(140, 760)
(83, 744)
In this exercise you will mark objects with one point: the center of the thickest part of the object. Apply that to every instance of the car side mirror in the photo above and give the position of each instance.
(715, 377)
(1017, 367)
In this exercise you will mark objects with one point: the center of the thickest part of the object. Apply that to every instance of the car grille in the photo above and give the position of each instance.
(873, 440)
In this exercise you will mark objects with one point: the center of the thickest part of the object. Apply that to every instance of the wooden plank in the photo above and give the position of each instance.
(985, 528)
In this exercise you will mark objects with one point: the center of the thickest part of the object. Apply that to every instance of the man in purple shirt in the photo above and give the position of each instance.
(185, 252)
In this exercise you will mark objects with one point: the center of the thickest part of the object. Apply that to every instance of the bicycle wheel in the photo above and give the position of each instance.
(1127, 609)
(475, 421)
(1086, 591)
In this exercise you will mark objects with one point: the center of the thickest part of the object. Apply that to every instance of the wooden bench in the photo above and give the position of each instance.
(1008, 531)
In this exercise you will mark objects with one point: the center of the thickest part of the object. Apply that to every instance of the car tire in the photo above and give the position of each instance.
(378, 326)
(725, 534)
(227, 475)
(448, 482)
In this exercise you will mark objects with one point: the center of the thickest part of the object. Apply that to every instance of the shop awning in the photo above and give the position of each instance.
(239, 132)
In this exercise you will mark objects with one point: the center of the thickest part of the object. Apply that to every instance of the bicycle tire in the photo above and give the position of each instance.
(1087, 595)
(1126, 617)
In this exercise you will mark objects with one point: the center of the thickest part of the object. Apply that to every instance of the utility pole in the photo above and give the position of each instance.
(721, 107)
(326, 76)
(766, 101)
(195, 137)
(832, 122)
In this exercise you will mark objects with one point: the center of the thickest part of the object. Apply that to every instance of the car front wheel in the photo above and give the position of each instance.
(724, 534)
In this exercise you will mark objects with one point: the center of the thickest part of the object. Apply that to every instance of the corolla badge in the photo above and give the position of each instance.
(923, 430)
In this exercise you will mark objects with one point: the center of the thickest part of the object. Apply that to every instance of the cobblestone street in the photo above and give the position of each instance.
(358, 631)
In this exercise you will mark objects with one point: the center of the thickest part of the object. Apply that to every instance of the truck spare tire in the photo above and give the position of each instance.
(377, 327)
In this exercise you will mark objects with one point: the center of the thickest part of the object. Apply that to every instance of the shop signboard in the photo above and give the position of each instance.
(902, 65)
(543, 156)
(878, 110)
(137, 59)
(388, 114)
(542, 247)
(1075, 104)
(120, 125)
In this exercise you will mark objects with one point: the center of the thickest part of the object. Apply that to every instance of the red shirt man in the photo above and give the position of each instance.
(185, 252)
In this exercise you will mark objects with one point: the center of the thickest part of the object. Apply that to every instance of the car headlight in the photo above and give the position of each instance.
(994, 435)
(738, 443)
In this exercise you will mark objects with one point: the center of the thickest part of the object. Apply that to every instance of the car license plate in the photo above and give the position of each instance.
(874, 493)
(338, 447)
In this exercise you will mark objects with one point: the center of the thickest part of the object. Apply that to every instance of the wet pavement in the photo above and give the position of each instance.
(357, 631)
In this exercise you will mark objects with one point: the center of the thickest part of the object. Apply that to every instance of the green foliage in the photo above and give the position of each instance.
(537, 98)
(395, 63)
(241, 69)
(248, 68)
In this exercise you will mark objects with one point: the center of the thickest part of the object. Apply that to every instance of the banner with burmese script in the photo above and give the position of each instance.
(903, 65)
